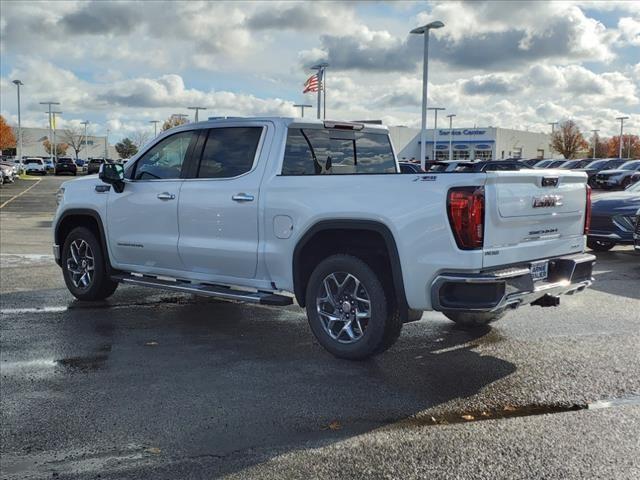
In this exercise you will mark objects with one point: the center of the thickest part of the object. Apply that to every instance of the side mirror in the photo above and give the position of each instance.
(113, 174)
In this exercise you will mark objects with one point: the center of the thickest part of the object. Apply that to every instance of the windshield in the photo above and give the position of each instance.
(633, 165)
(596, 164)
(32, 161)
(613, 164)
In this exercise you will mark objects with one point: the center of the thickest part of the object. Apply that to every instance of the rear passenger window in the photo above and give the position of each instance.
(229, 152)
(324, 151)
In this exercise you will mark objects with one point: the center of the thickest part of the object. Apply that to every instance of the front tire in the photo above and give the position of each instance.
(600, 245)
(472, 320)
(348, 310)
(84, 266)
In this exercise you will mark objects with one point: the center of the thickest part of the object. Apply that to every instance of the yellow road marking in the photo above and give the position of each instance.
(20, 194)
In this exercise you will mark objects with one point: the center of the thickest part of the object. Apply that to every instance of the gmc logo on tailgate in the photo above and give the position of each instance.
(547, 201)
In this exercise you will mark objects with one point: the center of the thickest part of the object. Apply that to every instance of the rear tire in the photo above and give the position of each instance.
(84, 266)
(348, 310)
(471, 320)
(600, 245)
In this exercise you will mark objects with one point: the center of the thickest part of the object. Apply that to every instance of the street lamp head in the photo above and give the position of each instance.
(451, 115)
(319, 66)
(427, 27)
(18, 82)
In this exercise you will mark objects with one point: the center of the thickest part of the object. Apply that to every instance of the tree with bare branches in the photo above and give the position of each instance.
(74, 138)
(140, 138)
(568, 140)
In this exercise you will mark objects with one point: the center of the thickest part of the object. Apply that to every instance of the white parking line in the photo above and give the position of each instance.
(20, 194)
(15, 311)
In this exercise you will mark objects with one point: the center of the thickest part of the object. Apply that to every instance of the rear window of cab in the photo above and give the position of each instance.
(313, 151)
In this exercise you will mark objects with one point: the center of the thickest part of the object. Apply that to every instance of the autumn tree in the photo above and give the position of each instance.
(173, 121)
(7, 137)
(567, 140)
(630, 146)
(61, 148)
(74, 137)
(126, 148)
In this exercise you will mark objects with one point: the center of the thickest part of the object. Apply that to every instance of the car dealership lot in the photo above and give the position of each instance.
(154, 384)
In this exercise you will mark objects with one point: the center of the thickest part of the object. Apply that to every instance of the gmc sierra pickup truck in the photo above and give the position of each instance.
(269, 210)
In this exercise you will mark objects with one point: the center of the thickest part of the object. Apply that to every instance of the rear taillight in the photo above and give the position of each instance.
(587, 211)
(465, 207)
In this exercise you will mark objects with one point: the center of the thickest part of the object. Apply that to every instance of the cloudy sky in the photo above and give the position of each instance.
(508, 64)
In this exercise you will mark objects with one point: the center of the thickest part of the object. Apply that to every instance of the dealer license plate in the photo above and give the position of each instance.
(540, 270)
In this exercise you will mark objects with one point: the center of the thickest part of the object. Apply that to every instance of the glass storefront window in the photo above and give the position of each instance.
(461, 155)
(442, 155)
(483, 155)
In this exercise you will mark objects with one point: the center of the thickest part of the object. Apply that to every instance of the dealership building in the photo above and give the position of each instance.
(484, 143)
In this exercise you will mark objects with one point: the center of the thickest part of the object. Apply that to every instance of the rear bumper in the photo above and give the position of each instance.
(497, 289)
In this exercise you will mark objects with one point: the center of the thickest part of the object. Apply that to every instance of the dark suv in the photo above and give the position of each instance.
(94, 165)
(66, 165)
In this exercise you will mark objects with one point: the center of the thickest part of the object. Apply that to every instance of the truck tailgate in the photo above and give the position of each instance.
(533, 214)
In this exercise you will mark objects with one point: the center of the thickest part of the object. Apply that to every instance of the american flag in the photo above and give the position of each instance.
(311, 85)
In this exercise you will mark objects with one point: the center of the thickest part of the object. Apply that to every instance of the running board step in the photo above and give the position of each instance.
(217, 291)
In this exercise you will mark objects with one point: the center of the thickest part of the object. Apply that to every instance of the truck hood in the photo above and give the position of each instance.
(83, 182)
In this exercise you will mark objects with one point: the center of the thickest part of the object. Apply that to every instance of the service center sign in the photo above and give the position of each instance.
(469, 132)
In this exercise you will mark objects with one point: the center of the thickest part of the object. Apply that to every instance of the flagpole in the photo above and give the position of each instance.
(324, 94)
(320, 68)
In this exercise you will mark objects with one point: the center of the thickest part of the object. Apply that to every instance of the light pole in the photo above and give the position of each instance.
(155, 127)
(50, 126)
(424, 30)
(106, 146)
(320, 67)
(435, 128)
(197, 109)
(595, 140)
(553, 126)
(302, 106)
(622, 119)
(450, 117)
(86, 143)
(55, 142)
(18, 83)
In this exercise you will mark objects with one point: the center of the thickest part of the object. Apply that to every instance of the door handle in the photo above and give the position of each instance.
(242, 197)
(166, 196)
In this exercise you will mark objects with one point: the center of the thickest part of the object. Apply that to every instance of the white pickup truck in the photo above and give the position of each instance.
(267, 210)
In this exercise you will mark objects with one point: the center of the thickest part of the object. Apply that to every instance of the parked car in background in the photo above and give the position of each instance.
(35, 166)
(80, 162)
(620, 177)
(49, 164)
(636, 233)
(598, 165)
(443, 166)
(94, 165)
(531, 162)
(613, 219)
(66, 165)
(573, 164)
(6, 173)
(553, 163)
(407, 167)
(15, 168)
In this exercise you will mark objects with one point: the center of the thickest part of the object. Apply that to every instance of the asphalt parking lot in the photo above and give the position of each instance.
(156, 385)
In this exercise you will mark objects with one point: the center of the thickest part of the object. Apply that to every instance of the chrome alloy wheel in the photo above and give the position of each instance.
(80, 264)
(344, 307)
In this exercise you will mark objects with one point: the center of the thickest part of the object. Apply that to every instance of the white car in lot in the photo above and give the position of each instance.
(266, 210)
(35, 165)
